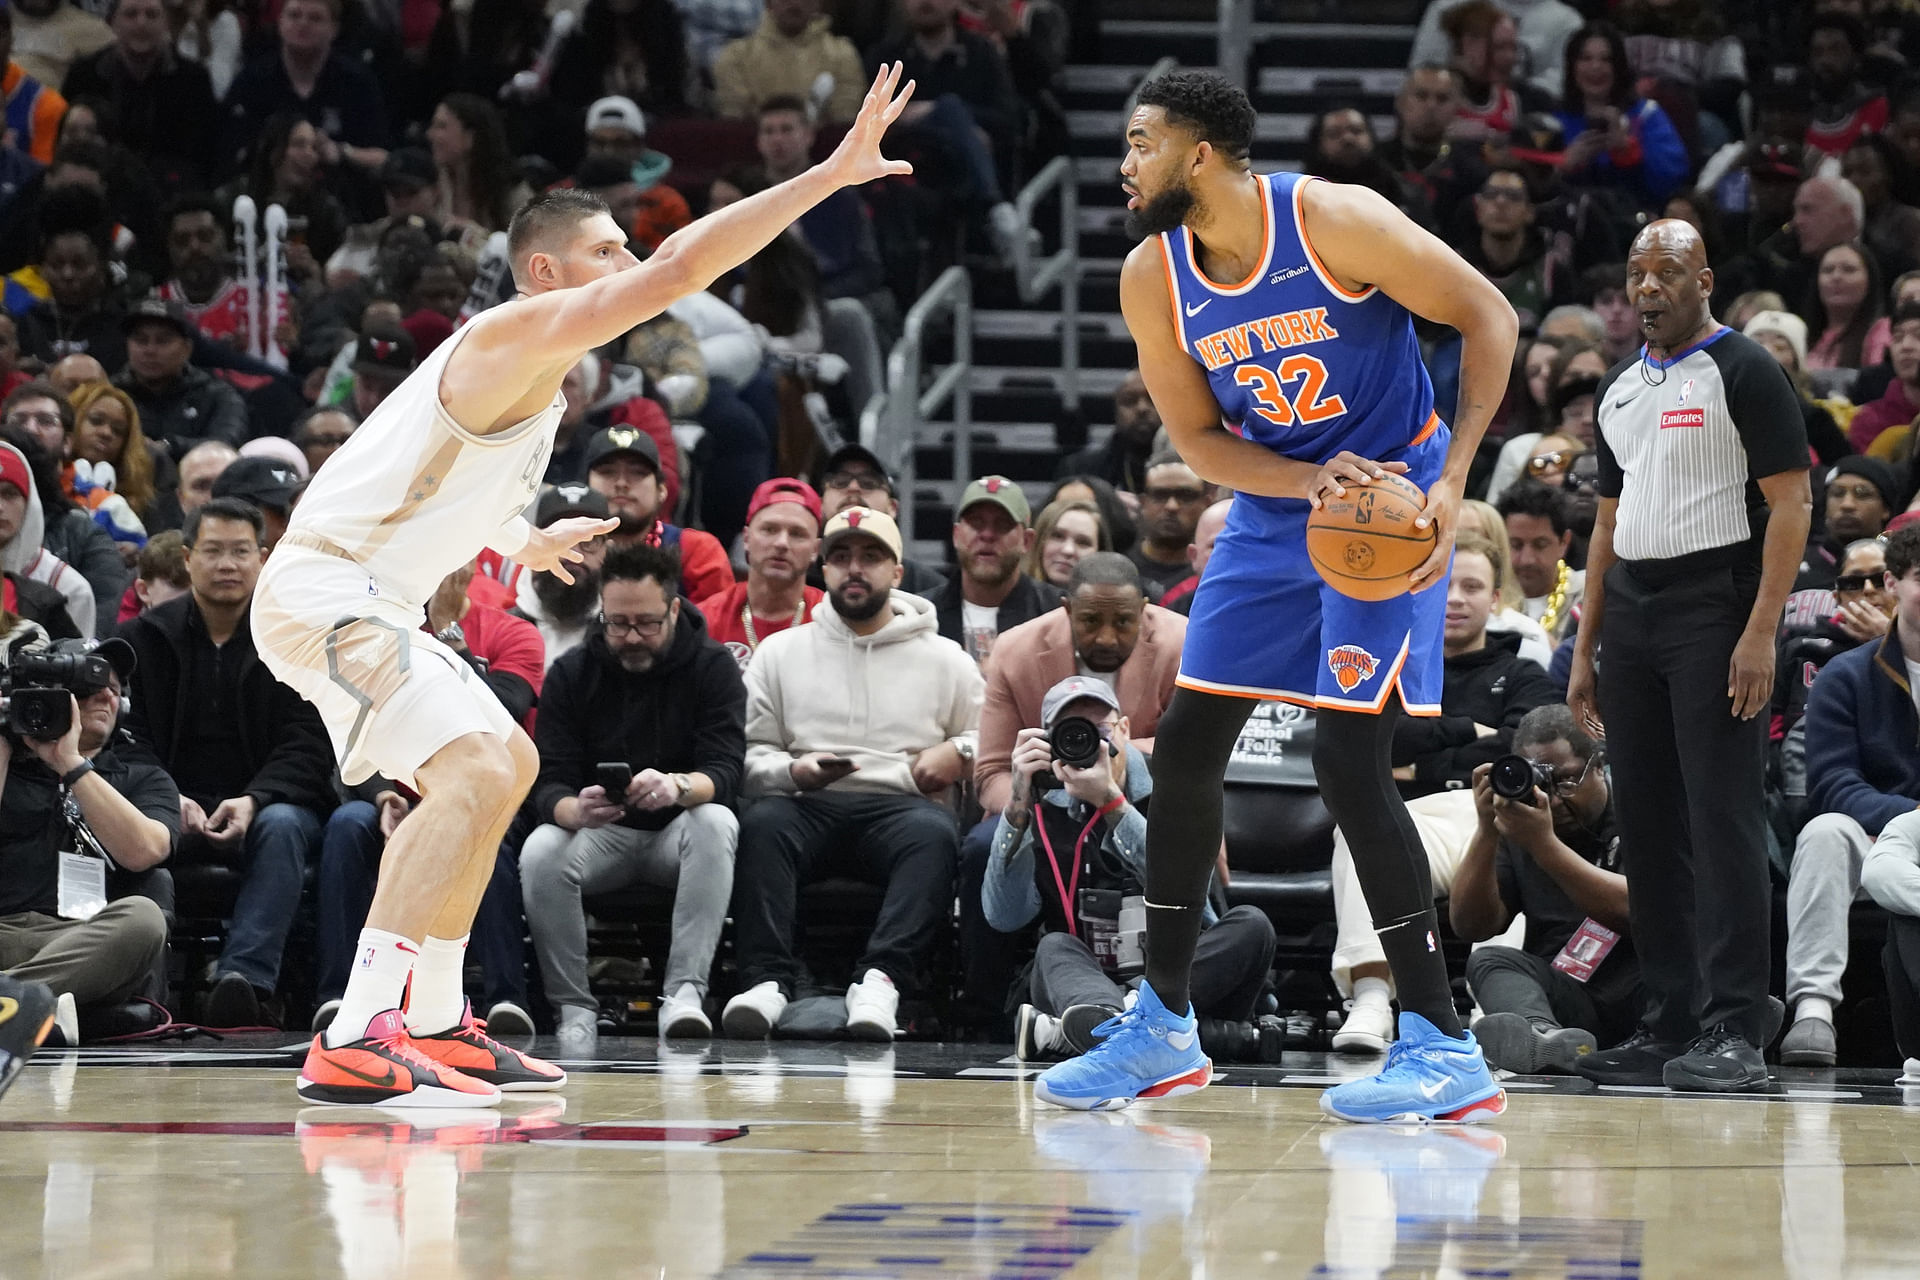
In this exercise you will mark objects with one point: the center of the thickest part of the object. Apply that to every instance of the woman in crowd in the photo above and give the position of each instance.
(1064, 534)
(286, 170)
(1615, 138)
(106, 428)
(1848, 306)
(1784, 335)
(479, 189)
(1116, 517)
(1509, 616)
(1577, 360)
(1534, 367)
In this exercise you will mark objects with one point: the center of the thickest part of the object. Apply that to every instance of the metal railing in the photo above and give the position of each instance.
(1236, 39)
(1154, 72)
(890, 424)
(1035, 276)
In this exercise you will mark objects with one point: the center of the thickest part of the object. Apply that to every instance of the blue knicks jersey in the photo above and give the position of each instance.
(1298, 363)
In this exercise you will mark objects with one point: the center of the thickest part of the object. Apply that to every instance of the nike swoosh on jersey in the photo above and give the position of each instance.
(1181, 1040)
(1194, 311)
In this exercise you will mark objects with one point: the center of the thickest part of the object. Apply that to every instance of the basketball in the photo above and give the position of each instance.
(1365, 544)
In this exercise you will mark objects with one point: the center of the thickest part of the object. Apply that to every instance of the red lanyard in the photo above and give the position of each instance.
(1069, 887)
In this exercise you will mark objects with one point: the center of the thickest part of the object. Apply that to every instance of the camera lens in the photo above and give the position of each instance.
(1075, 741)
(1513, 778)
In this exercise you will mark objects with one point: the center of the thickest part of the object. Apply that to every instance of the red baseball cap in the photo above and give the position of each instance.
(13, 470)
(784, 489)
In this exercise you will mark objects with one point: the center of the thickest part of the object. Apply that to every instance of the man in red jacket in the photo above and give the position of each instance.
(623, 466)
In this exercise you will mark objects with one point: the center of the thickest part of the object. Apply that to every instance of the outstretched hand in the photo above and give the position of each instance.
(857, 159)
(552, 549)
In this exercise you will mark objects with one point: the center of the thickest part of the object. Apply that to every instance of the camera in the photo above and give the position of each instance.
(1514, 778)
(1074, 741)
(38, 686)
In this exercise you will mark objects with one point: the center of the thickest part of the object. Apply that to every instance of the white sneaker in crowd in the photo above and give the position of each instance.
(508, 1021)
(1367, 1029)
(681, 1017)
(578, 1030)
(872, 1004)
(752, 1014)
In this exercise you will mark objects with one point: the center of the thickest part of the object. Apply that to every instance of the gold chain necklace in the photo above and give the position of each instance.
(753, 636)
(1556, 597)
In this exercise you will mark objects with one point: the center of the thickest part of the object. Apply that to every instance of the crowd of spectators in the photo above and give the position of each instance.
(752, 687)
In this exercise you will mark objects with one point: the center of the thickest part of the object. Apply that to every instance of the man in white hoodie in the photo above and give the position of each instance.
(856, 724)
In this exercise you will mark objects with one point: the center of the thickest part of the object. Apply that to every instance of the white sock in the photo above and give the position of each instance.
(439, 995)
(379, 976)
(1373, 991)
(1814, 1007)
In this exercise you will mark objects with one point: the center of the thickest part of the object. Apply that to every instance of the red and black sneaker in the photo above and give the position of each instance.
(467, 1048)
(385, 1068)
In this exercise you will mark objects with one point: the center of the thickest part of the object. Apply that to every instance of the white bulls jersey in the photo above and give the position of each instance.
(413, 495)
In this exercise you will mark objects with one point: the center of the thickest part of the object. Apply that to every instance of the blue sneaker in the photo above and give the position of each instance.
(1147, 1052)
(1428, 1077)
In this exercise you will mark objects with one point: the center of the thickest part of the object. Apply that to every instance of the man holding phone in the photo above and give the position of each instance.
(858, 726)
(641, 740)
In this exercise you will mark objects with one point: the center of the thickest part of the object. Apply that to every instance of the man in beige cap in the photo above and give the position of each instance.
(857, 724)
(988, 594)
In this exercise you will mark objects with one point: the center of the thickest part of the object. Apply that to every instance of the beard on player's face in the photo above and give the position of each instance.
(568, 602)
(1164, 211)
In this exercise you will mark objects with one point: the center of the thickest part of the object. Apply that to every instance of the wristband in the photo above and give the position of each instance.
(76, 773)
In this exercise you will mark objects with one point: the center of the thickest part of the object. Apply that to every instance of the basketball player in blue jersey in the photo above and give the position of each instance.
(1272, 320)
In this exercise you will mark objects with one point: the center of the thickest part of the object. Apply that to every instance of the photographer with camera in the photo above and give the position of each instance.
(81, 827)
(1545, 848)
(642, 732)
(1071, 852)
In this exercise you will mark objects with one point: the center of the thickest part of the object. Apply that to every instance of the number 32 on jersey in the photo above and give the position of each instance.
(1269, 388)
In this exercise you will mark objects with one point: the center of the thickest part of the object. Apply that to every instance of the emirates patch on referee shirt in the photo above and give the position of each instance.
(1683, 418)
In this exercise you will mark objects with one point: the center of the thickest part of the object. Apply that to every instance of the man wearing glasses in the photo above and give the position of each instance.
(1510, 252)
(654, 696)
(1170, 508)
(855, 477)
(1573, 985)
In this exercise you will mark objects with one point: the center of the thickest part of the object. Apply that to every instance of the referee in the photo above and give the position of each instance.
(1704, 510)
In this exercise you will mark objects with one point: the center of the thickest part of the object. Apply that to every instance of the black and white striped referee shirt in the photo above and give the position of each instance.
(1683, 441)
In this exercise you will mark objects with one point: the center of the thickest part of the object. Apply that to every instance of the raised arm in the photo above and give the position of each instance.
(558, 326)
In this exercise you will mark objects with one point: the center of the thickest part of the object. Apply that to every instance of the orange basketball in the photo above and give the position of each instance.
(1365, 544)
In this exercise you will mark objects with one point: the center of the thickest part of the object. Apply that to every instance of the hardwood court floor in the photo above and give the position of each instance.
(740, 1161)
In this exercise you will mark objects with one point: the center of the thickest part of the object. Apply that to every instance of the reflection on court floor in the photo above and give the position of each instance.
(918, 1160)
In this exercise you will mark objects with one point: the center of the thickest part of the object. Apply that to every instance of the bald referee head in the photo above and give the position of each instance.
(1669, 283)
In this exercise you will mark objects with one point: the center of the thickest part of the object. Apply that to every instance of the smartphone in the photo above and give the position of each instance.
(614, 777)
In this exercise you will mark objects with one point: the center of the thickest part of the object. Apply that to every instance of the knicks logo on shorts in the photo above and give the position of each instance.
(1352, 666)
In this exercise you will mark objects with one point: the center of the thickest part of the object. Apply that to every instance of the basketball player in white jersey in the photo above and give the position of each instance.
(442, 469)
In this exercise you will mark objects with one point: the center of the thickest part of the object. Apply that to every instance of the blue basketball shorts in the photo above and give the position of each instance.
(1266, 625)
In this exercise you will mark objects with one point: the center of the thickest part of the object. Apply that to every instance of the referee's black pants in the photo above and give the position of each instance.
(1687, 793)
